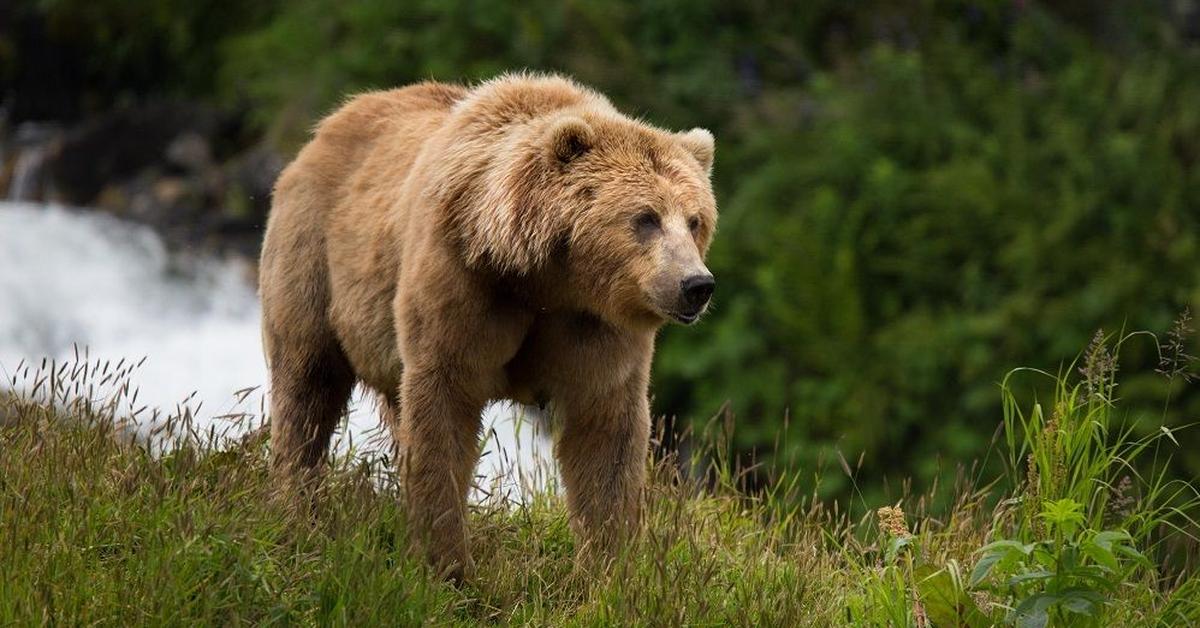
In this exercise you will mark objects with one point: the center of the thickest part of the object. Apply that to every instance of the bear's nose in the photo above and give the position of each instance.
(697, 290)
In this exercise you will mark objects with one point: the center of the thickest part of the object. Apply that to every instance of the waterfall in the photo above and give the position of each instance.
(27, 174)
(73, 278)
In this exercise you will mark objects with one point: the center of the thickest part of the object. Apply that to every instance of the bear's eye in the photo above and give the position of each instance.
(647, 223)
(694, 224)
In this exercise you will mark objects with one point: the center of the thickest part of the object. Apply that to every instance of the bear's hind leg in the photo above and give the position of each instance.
(309, 391)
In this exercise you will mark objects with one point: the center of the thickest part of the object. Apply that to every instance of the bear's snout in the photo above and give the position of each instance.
(695, 292)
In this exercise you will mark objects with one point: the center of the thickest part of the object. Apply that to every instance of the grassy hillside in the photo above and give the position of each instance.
(95, 529)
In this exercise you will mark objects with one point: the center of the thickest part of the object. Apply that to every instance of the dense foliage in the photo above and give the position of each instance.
(913, 197)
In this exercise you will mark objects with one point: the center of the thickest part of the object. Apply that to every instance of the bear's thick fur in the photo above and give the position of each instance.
(448, 246)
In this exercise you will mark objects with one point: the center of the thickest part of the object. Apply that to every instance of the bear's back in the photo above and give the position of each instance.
(347, 136)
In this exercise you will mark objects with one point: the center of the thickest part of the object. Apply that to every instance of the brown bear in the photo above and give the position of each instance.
(447, 246)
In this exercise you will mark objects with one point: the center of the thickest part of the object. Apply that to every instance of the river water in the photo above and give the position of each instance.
(74, 280)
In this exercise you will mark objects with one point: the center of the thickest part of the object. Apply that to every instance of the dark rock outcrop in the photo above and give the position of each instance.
(172, 166)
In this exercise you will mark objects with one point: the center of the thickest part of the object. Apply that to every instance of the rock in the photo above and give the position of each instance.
(159, 164)
(113, 200)
(189, 151)
(251, 177)
(118, 145)
(169, 191)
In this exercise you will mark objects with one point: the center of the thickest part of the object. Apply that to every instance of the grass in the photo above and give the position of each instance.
(96, 527)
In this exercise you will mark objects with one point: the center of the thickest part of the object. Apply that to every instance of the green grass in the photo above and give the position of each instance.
(97, 529)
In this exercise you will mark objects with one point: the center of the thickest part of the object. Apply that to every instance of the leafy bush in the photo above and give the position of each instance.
(1072, 538)
(919, 217)
(1074, 572)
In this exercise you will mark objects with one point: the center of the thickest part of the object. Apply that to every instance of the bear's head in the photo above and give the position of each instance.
(622, 210)
(641, 220)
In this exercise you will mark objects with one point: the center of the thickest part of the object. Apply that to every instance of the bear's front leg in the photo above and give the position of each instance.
(602, 455)
(440, 419)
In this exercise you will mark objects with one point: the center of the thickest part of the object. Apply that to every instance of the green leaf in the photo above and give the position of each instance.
(1094, 574)
(1033, 611)
(1042, 555)
(1102, 554)
(945, 603)
(1008, 546)
(1030, 577)
(895, 546)
(1108, 537)
(995, 553)
(1082, 601)
(1065, 514)
(983, 568)
(1133, 554)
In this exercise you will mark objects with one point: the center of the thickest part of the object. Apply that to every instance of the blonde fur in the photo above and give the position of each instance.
(448, 246)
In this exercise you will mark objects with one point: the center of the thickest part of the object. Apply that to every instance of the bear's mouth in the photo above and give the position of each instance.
(686, 319)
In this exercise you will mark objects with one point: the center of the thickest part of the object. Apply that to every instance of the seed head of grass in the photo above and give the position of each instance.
(891, 520)
(1099, 368)
(1174, 360)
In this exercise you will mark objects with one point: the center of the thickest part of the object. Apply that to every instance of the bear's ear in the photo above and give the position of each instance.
(698, 142)
(568, 139)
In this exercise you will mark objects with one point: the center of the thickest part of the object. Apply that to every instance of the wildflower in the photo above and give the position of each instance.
(1051, 430)
(891, 520)
(1122, 500)
(1099, 368)
(1032, 492)
(1174, 360)
(1032, 477)
(1058, 472)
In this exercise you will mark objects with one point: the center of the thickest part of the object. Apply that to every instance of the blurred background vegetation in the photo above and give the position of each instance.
(915, 196)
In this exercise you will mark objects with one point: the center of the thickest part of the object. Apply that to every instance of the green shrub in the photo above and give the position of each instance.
(943, 211)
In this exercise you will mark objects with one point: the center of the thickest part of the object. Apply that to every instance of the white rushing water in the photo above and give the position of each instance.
(72, 278)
